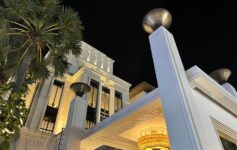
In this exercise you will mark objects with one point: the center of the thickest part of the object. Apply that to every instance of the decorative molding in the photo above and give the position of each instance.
(112, 134)
(224, 130)
(200, 80)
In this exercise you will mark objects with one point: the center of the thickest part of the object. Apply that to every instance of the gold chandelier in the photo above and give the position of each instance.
(153, 139)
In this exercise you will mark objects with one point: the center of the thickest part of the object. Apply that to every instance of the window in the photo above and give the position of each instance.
(92, 104)
(52, 107)
(228, 145)
(105, 96)
(118, 103)
(93, 95)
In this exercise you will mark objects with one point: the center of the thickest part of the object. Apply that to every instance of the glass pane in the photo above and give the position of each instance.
(105, 99)
(93, 95)
(227, 145)
(52, 107)
(92, 104)
(56, 93)
(105, 96)
(118, 103)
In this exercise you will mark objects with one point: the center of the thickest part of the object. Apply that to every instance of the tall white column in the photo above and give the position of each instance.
(64, 101)
(85, 79)
(39, 105)
(175, 92)
(125, 97)
(75, 124)
(99, 104)
(111, 101)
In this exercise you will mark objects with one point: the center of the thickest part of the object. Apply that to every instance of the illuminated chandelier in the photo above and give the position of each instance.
(153, 139)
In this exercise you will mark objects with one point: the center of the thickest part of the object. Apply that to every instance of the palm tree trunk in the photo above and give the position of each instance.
(22, 71)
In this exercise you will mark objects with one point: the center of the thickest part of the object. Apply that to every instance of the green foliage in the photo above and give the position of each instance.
(13, 114)
(35, 35)
(43, 28)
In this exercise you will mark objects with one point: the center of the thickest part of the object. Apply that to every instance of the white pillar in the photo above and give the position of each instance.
(61, 117)
(99, 104)
(175, 92)
(75, 124)
(125, 98)
(39, 105)
(85, 79)
(111, 101)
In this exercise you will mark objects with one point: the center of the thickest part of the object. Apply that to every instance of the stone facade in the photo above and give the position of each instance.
(195, 111)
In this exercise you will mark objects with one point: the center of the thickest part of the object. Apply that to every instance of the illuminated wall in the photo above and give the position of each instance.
(109, 96)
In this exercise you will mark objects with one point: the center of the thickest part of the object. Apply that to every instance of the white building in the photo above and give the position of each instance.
(188, 111)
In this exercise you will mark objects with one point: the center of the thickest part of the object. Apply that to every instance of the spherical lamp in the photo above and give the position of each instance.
(156, 18)
(80, 88)
(221, 75)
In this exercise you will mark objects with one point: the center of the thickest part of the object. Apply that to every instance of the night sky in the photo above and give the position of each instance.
(206, 34)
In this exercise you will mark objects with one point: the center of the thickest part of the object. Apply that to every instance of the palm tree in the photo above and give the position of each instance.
(36, 35)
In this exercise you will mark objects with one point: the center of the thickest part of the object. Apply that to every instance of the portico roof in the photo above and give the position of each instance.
(122, 130)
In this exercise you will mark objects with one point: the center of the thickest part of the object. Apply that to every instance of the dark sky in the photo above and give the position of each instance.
(206, 34)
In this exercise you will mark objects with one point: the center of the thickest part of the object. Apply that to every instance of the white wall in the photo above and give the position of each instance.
(209, 111)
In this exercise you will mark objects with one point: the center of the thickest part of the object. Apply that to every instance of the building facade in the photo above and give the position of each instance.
(188, 111)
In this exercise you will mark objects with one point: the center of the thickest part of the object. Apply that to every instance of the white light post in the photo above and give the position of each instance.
(173, 84)
(76, 117)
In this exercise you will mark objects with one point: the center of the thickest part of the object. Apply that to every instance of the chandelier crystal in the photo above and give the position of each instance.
(153, 139)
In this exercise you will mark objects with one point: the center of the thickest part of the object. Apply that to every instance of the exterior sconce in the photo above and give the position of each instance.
(80, 88)
(221, 75)
(156, 18)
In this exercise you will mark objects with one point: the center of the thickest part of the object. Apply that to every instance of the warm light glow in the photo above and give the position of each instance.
(30, 95)
(95, 60)
(153, 140)
(147, 28)
(89, 55)
(102, 63)
(108, 67)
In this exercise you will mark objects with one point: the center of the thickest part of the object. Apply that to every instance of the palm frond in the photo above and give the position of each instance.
(46, 27)
(38, 72)
(60, 64)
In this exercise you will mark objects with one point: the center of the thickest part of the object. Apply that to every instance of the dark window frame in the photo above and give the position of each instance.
(118, 99)
(92, 110)
(103, 112)
(51, 112)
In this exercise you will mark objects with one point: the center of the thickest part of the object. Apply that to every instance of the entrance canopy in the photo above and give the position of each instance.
(123, 129)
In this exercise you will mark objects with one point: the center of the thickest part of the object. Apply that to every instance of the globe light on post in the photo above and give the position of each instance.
(221, 75)
(80, 88)
(156, 18)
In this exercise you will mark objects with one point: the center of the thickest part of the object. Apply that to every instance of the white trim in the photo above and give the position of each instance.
(146, 99)
(199, 79)
(224, 131)
(181, 114)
